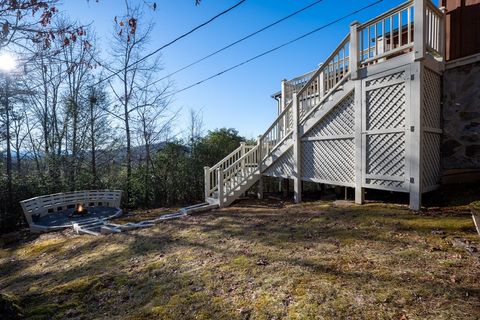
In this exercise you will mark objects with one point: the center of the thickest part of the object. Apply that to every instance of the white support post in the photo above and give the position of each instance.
(260, 188)
(206, 173)
(321, 85)
(297, 176)
(353, 60)
(419, 19)
(242, 153)
(443, 30)
(220, 186)
(260, 158)
(359, 145)
(416, 134)
(283, 105)
(260, 153)
(283, 101)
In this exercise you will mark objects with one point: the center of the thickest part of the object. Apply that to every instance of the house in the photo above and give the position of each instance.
(370, 117)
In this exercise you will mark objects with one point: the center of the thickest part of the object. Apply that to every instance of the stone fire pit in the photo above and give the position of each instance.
(61, 210)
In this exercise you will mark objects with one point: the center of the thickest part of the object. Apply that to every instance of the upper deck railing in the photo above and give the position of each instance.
(386, 36)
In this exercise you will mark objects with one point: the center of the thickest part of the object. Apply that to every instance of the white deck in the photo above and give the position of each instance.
(369, 117)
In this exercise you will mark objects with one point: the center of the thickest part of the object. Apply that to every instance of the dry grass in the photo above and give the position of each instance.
(256, 260)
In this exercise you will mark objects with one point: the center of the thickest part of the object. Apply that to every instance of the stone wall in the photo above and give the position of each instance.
(461, 117)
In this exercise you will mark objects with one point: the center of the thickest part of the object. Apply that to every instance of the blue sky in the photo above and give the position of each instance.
(239, 99)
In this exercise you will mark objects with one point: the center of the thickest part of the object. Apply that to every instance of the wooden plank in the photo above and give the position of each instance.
(296, 152)
(359, 147)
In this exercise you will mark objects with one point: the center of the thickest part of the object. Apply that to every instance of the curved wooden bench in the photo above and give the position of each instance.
(54, 203)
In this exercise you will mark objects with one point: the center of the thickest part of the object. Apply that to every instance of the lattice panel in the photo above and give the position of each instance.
(390, 77)
(386, 183)
(385, 107)
(384, 117)
(432, 99)
(283, 166)
(386, 154)
(340, 121)
(329, 160)
(431, 159)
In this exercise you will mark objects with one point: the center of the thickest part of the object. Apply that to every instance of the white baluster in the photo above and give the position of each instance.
(206, 171)
(220, 186)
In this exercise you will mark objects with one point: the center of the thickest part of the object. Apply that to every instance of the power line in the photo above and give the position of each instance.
(276, 48)
(241, 39)
(114, 73)
(173, 41)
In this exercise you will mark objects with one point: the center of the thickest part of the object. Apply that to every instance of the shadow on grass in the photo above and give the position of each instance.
(169, 270)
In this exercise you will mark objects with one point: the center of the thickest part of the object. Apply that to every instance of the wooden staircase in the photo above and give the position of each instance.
(305, 103)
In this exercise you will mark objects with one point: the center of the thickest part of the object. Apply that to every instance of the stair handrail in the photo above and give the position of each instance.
(233, 179)
(283, 124)
(280, 115)
(230, 155)
(323, 65)
(325, 97)
(281, 127)
(211, 177)
(333, 70)
(241, 158)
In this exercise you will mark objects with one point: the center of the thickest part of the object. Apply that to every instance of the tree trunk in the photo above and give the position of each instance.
(73, 177)
(92, 134)
(9, 206)
(147, 174)
(129, 153)
(18, 158)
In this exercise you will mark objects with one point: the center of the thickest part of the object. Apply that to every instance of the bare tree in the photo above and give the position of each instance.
(100, 135)
(193, 139)
(78, 60)
(152, 121)
(10, 92)
(130, 41)
(46, 81)
(19, 136)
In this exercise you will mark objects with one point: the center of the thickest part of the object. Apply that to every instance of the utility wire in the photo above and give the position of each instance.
(114, 73)
(173, 41)
(276, 48)
(241, 39)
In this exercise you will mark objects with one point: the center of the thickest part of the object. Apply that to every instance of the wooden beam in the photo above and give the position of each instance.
(419, 19)
(297, 182)
(354, 45)
(416, 135)
(359, 145)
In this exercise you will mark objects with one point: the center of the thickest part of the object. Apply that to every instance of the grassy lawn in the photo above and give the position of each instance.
(256, 260)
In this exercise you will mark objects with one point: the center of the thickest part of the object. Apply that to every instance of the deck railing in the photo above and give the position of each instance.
(295, 85)
(388, 34)
(435, 30)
